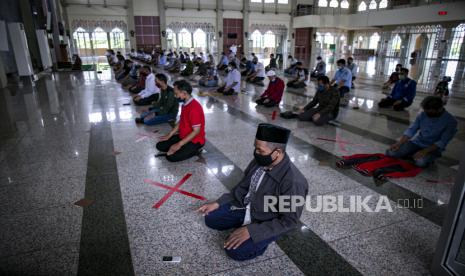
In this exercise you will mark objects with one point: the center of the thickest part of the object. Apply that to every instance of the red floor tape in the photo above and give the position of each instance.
(172, 190)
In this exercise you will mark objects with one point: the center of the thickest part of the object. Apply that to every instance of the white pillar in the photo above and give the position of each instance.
(162, 16)
(219, 26)
(131, 24)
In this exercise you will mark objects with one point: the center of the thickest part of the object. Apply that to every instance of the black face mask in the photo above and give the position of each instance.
(263, 160)
(433, 114)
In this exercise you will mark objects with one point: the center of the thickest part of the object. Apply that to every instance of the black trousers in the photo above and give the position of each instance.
(296, 84)
(388, 102)
(269, 103)
(226, 92)
(185, 152)
(148, 100)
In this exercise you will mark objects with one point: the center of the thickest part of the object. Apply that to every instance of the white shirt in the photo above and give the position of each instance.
(247, 219)
(232, 77)
(150, 87)
(260, 69)
(233, 49)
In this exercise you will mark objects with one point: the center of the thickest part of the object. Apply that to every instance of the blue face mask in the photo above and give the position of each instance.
(321, 87)
(181, 100)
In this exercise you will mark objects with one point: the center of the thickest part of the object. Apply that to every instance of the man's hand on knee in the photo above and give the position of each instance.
(236, 238)
(207, 208)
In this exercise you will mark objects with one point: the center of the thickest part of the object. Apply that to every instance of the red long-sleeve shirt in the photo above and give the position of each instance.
(274, 91)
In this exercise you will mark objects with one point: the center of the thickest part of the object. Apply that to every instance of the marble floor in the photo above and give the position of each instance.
(76, 193)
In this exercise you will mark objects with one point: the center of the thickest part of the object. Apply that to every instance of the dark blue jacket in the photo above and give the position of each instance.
(404, 90)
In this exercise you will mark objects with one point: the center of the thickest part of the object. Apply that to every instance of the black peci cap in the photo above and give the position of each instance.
(272, 133)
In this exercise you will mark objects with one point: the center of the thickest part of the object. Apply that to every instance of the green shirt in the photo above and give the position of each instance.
(167, 103)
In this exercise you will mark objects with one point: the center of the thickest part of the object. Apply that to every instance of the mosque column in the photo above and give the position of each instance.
(460, 71)
(162, 17)
(381, 52)
(30, 31)
(350, 42)
(130, 34)
(245, 26)
(442, 52)
(404, 55)
(72, 47)
(219, 26)
(56, 53)
(291, 31)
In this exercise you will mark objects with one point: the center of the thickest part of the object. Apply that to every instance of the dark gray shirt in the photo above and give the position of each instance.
(283, 180)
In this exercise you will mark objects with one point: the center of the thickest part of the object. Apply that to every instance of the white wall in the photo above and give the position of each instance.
(177, 15)
(96, 13)
(233, 14)
(365, 20)
(267, 18)
(145, 7)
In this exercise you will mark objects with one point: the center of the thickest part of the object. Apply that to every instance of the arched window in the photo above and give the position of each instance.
(344, 4)
(333, 3)
(329, 38)
(383, 4)
(117, 39)
(322, 3)
(269, 40)
(200, 40)
(185, 39)
(257, 39)
(99, 39)
(362, 6)
(396, 42)
(374, 39)
(373, 5)
(171, 39)
(82, 41)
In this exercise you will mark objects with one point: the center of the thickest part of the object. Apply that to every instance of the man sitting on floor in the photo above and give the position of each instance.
(211, 79)
(189, 70)
(292, 64)
(342, 81)
(273, 94)
(140, 84)
(403, 93)
(301, 79)
(187, 138)
(320, 68)
(224, 62)
(327, 99)
(151, 92)
(232, 82)
(271, 173)
(258, 75)
(272, 65)
(428, 136)
(164, 110)
(393, 78)
(77, 65)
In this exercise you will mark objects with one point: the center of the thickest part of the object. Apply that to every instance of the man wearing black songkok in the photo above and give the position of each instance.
(271, 173)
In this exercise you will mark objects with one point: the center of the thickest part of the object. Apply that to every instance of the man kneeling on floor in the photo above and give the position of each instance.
(273, 94)
(232, 82)
(151, 92)
(327, 98)
(271, 173)
(435, 127)
(403, 93)
(165, 109)
(191, 127)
